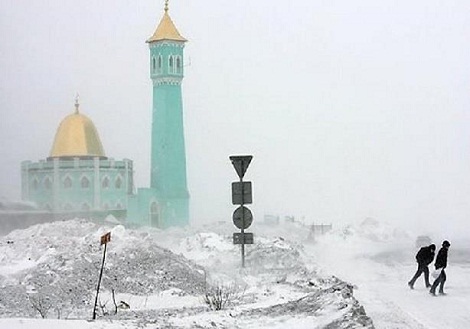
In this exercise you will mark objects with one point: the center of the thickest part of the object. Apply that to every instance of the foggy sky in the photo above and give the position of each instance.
(351, 109)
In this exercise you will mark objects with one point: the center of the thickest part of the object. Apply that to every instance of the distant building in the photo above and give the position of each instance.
(77, 179)
(166, 202)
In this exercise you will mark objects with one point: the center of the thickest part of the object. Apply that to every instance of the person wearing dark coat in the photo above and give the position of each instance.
(441, 263)
(424, 257)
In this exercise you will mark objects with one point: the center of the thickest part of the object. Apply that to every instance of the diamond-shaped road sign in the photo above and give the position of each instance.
(241, 163)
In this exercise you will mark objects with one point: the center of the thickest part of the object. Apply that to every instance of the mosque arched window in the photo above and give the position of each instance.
(178, 64)
(160, 60)
(48, 183)
(35, 184)
(118, 205)
(85, 182)
(105, 182)
(170, 64)
(118, 182)
(153, 64)
(67, 182)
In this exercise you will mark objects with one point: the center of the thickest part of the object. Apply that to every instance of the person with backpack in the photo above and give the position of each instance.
(441, 263)
(424, 257)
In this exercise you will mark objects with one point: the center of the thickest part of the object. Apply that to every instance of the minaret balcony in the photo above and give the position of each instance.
(167, 80)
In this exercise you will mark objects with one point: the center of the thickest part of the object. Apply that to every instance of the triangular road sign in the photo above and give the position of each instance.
(241, 163)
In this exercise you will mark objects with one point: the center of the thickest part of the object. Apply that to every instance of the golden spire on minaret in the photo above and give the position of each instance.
(166, 29)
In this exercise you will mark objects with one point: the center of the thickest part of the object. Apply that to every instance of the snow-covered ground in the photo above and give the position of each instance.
(343, 279)
(381, 265)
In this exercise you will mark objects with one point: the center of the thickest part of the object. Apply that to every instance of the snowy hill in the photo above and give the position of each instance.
(162, 276)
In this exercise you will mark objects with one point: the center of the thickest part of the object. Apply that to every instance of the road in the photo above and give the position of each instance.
(381, 281)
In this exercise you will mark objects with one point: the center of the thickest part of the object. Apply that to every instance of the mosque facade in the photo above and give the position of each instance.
(78, 179)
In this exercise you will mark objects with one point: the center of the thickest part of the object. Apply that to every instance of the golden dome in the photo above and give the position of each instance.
(166, 30)
(77, 137)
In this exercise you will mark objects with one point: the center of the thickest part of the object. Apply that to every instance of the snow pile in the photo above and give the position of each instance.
(275, 255)
(206, 246)
(60, 262)
(321, 303)
(162, 277)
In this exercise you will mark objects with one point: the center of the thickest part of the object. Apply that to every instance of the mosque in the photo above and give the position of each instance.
(77, 179)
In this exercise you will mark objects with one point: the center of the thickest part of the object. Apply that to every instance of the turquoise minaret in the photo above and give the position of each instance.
(168, 155)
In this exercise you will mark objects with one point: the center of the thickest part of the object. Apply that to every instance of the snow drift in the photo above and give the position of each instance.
(162, 277)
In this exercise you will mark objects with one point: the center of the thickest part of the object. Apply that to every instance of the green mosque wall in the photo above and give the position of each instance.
(78, 185)
(146, 208)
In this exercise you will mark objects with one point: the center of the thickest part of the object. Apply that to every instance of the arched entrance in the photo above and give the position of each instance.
(155, 218)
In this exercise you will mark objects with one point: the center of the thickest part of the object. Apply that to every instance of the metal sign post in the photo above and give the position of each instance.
(241, 195)
(104, 241)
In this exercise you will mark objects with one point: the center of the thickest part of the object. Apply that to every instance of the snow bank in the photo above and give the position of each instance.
(58, 264)
(159, 278)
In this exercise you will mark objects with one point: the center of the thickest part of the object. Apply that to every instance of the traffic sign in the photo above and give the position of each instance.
(242, 217)
(241, 163)
(245, 238)
(241, 193)
(105, 238)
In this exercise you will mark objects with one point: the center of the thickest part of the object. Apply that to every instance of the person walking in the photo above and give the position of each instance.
(441, 263)
(424, 257)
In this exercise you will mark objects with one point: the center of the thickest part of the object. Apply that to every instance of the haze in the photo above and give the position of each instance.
(350, 109)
